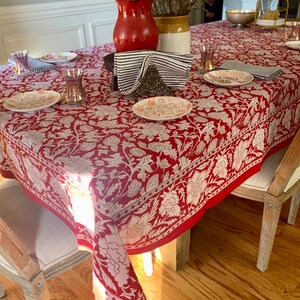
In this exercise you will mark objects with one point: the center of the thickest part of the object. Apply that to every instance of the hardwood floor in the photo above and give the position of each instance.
(222, 262)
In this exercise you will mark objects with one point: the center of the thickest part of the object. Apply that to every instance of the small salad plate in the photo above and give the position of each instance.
(228, 78)
(295, 45)
(60, 57)
(162, 108)
(31, 101)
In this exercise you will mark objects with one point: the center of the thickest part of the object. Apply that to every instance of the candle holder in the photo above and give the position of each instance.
(270, 15)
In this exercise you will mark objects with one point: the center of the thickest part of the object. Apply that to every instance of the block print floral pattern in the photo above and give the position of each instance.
(128, 185)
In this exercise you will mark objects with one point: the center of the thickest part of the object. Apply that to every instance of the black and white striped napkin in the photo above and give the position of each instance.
(35, 64)
(130, 68)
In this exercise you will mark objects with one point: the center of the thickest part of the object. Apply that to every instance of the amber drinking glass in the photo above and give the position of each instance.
(20, 63)
(74, 92)
(207, 51)
(292, 31)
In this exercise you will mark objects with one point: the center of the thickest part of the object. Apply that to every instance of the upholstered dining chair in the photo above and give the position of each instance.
(34, 243)
(276, 182)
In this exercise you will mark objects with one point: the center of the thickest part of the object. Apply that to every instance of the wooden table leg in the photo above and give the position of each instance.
(176, 253)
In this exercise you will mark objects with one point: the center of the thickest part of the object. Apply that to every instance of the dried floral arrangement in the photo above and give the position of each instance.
(163, 8)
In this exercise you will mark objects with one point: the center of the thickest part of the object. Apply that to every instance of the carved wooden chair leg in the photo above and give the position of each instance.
(294, 206)
(35, 289)
(272, 209)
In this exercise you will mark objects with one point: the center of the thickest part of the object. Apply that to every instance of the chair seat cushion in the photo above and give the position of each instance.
(262, 179)
(47, 238)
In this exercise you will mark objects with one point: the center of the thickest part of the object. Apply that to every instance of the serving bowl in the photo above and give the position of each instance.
(240, 18)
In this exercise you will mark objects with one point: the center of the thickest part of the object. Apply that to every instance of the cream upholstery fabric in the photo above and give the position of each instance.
(263, 179)
(4, 263)
(46, 237)
(294, 179)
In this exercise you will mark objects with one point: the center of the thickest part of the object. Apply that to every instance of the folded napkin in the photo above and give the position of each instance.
(35, 65)
(131, 67)
(257, 71)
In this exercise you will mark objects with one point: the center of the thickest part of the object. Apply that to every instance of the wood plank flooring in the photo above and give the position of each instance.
(222, 262)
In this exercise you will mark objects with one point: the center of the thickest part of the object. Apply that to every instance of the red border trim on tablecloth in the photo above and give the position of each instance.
(7, 174)
(184, 226)
(188, 224)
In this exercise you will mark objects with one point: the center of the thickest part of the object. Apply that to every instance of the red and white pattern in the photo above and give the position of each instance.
(128, 185)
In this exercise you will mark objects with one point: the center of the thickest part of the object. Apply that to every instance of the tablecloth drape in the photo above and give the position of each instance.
(128, 185)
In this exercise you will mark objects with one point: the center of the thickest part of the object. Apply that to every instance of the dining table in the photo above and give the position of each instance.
(127, 185)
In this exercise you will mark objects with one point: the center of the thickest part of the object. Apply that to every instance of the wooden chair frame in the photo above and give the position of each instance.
(273, 199)
(30, 277)
(176, 253)
(27, 273)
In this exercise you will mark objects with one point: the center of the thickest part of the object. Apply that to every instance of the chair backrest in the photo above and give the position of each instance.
(288, 172)
(33, 241)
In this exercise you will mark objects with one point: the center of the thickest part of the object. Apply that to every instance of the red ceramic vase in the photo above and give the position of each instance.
(135, 28)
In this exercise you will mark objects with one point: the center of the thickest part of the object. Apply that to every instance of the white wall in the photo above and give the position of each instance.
(22, 2)
(237, 4)
(196, 16)
(55, 26)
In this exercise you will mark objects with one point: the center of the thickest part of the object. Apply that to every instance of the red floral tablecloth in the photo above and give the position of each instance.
(128, 185)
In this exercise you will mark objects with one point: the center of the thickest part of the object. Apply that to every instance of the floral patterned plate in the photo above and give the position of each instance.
(293, 45)
(162, 108)
(60, 57)
(228, 77)
(30, 101)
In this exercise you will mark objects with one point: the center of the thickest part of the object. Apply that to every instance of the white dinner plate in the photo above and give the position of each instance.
(60, 57)
(228, 78)
(270, 23)
(30, 101)
(293, 45)
(162, 108)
